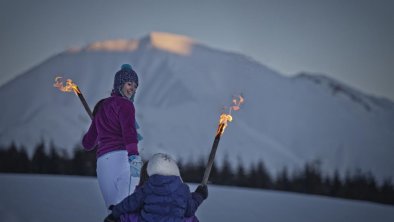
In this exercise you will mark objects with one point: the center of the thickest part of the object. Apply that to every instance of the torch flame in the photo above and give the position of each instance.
(70, 86)
(237, 101)
(225, 118)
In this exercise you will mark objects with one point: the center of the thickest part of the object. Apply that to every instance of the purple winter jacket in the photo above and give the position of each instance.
(113, 127)
(160, 198)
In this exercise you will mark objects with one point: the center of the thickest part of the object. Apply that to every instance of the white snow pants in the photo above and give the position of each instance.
(114, 178)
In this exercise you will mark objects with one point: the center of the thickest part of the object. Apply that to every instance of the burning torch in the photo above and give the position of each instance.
(224, 119)
(70, 86)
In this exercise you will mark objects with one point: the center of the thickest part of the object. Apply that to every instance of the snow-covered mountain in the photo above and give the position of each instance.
(285, 121)
(71, 198)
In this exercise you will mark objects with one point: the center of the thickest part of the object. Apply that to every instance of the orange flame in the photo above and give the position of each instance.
(237, 103)
(225, 118)
(70, 86)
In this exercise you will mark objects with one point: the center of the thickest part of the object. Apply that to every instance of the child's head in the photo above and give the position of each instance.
(162, 164)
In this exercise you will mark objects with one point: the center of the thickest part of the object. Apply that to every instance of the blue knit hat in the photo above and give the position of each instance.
(125, 74)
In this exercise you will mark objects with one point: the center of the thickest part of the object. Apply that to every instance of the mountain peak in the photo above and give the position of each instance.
(115, 45)
(173, 43)
(178, 44)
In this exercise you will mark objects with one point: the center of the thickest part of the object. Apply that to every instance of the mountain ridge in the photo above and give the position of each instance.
(285, 121)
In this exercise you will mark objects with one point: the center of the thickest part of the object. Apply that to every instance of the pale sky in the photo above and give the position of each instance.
(349, 40)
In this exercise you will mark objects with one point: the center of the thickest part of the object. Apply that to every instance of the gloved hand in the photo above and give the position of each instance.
(135, 162)
(110, 218)
(202, 190)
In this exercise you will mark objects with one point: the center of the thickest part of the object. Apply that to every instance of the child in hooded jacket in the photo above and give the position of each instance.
(113, 132)
(163, 197)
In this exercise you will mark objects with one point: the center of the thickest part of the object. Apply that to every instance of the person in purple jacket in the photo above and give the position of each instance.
(162, 197)
(114, 132)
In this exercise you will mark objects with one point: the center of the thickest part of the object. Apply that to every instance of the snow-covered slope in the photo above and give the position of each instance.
(183, 87)
(64, 198)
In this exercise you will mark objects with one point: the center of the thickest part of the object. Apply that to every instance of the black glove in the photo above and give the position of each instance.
(111, 207)
(202, 190)
(110, 218)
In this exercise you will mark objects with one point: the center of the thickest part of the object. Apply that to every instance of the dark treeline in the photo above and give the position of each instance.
(47, 161)
(309, 180)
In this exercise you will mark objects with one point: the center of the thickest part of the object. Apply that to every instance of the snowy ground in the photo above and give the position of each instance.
(70, 198)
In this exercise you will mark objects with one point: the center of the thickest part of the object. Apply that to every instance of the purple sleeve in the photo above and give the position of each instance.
(132, 149)
(129, 131)
(90, 138)
(193, 203)
(131, 204)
